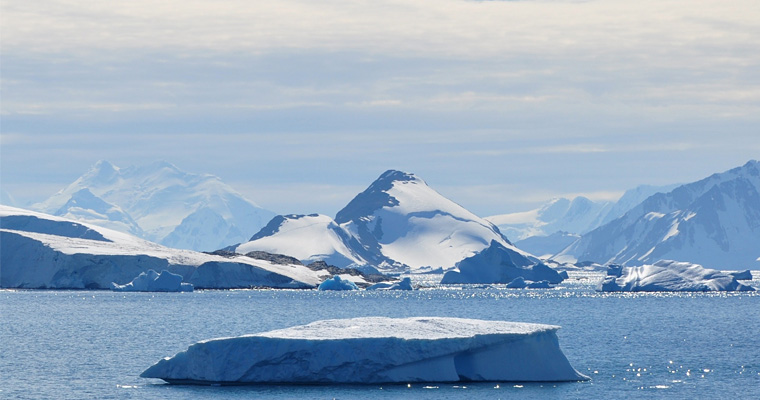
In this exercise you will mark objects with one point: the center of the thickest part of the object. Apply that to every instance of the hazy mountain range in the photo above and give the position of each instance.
(399, 223)
(160, 203)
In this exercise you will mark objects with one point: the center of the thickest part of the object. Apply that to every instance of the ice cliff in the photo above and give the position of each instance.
(376, 350)
(669, 276)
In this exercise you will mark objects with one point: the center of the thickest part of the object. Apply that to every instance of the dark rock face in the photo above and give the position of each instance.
(273, 258)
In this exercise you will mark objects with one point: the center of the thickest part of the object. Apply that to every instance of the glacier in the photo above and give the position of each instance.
(45, 251)
(152, 281)
(669, 276)
(376, 350)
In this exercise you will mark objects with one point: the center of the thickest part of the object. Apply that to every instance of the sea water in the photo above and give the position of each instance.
(95, 344)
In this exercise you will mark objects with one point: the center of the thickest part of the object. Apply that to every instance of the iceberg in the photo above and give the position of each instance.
(521, 283)
(404, 284)
(669, 276)
(499, 264)
(336, 283)
(745, 275)
(152, 281)
(376, 350)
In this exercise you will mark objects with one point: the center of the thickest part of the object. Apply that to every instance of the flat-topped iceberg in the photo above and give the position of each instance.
(376, 350)
(669, 276)
(152, 281)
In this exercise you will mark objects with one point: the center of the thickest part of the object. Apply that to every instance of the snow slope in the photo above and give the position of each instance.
(402, 223)
(376, 350)
(397, 224)
(44, 251)
(547, 246)
(171, 207)
(85, 206)
(575, 216)
(670, 276)
(714, 222)
(308, 238)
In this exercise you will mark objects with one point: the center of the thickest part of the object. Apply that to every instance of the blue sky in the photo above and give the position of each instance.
(301, 104)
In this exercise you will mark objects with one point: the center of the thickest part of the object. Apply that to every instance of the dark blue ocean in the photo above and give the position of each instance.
(95, 344)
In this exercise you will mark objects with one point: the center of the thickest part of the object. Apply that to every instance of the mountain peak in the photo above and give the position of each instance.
(376, 195)
(102, 172)
(393, 175)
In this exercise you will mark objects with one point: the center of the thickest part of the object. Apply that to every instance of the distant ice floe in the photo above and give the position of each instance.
(521, 283)
(336, 283)
(376, 350)
(669, 276)
(152, 281)
(404, 284)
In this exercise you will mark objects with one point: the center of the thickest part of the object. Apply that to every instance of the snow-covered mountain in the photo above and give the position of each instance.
(160, 203)
(401, 222)
(308, 238)
(714, 222)
(85, 206)
(547, 246)
(576, 216)
(397, 224)
(550, 228)
(6, 198)
(44, 251)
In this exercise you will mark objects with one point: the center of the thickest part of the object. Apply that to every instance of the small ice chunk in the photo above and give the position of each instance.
(404, 284)
(336, 283)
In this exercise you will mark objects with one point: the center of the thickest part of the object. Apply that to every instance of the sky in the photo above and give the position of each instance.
(299, 105)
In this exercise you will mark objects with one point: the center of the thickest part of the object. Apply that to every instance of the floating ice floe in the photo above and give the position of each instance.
(152, 281)
(404, 284)
(669, 276)
(336, 283)
(521, 283)
(376, 350)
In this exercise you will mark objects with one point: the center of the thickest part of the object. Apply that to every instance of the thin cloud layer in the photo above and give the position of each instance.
(606, 94)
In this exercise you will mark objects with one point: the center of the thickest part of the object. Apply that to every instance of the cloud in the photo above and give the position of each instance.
(548, 97)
